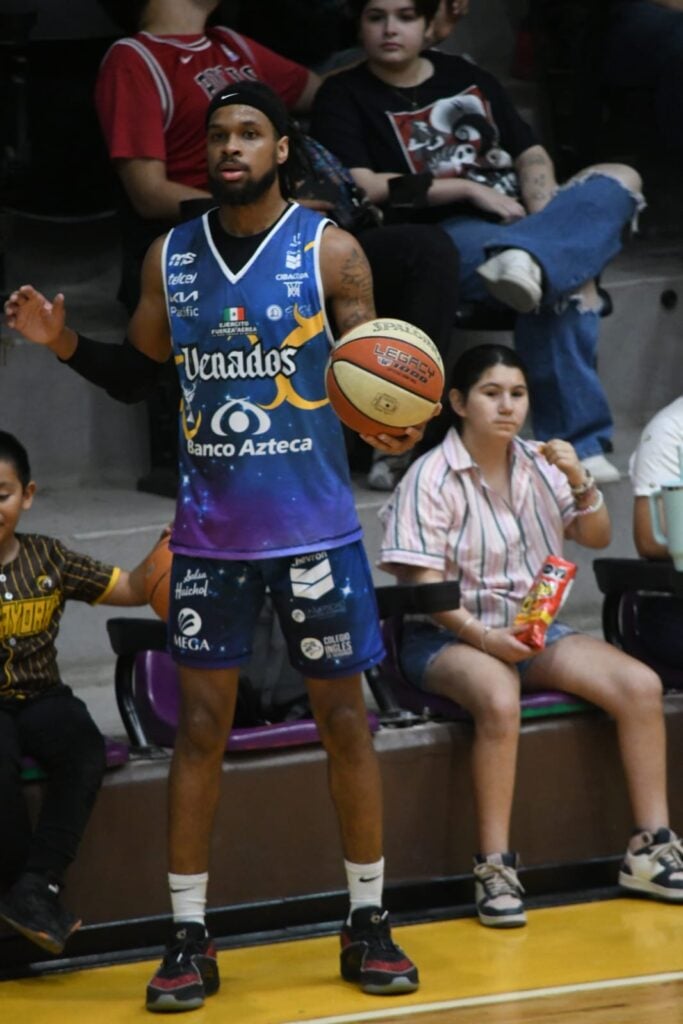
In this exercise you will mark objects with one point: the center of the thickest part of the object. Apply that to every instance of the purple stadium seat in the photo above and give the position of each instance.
(148, 695)
(158, 701)
(431, 705)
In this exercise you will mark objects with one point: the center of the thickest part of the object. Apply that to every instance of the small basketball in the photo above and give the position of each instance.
(157, 578)
(383, 376)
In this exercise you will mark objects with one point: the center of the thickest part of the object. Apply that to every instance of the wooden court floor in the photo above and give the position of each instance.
(613, 962)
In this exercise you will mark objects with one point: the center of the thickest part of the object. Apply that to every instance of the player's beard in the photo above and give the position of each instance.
(245, 193)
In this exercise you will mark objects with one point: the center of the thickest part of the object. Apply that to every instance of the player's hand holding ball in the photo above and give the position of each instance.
(157, 576)
(384, 380)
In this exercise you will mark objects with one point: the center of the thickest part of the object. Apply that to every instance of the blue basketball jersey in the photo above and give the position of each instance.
(262, 459)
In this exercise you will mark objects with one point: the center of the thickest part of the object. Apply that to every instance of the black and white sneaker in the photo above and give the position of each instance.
(498, 891)
(371, 958)
(187, 974)
(32, 908)
(653, 865)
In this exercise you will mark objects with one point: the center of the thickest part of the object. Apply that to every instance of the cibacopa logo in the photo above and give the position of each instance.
(189, 621)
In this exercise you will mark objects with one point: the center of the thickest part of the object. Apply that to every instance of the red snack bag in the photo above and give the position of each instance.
(548, 593)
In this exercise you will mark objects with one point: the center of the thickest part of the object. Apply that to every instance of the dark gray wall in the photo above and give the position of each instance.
(63, 19)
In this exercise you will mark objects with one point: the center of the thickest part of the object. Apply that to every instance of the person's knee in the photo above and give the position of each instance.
(344, 729)
(81, 754)
(639, 690)
(10, 765)
(496, 713)
(625, 175)
(202, 728)
(436, 247)
(94, 757)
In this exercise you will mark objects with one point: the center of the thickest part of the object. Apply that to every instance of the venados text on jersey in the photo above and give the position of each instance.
(238, 365)
(227, 450)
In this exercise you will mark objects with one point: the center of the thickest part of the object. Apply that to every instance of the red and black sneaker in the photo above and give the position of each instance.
(187, 974)
(370, 957)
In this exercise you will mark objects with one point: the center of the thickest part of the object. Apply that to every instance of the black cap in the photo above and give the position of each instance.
(252, 94)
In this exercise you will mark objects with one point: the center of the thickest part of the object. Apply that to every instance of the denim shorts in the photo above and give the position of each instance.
(325, 601)
(422, 641)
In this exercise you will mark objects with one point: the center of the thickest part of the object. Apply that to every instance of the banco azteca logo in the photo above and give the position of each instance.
(239, 416)
(189, 621)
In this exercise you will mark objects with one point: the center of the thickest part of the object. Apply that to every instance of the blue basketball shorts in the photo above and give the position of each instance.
(325, 601)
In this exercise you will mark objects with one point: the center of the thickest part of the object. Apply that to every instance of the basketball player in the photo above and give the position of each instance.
(240, 297)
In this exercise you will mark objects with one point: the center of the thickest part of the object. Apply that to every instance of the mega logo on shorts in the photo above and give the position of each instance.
(189, 625)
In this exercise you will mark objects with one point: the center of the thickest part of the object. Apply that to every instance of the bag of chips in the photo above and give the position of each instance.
(548, 593)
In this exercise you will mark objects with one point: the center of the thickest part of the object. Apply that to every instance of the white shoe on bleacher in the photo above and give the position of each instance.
(514, 278)
(601, 469)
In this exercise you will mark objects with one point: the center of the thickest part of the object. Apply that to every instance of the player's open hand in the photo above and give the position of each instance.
(33, 316)
(391, 445)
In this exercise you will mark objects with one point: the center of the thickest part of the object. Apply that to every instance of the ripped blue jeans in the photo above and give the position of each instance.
(572, 238)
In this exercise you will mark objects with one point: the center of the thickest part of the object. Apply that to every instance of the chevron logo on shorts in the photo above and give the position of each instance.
(312, 582)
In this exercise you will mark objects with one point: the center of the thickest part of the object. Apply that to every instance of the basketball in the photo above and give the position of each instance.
(383, 376)
(157, 578)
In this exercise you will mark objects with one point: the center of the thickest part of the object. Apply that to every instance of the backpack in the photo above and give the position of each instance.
(316, 173)
(270, 690)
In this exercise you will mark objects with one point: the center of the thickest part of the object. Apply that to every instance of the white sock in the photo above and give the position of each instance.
(188, 896)
(366, 884)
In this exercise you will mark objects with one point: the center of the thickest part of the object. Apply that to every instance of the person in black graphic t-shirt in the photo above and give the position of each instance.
(432, 137)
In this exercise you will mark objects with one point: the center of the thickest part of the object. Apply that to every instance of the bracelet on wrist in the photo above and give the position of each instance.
(587, 498)
(487, 630)
(583, 488)
(464, 626)
(595, 506)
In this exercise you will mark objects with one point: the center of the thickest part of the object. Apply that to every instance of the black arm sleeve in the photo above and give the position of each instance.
(123, 371)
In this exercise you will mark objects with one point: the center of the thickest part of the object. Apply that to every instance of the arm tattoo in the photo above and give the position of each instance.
(537, 180)
(538, 187)
(355, 302)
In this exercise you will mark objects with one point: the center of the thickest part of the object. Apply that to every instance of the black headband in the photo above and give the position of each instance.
(252, 94)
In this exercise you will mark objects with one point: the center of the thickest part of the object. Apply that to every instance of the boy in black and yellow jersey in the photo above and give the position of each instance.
(39, 715)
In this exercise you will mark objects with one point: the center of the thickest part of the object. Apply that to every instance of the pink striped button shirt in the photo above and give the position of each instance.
(444, 516)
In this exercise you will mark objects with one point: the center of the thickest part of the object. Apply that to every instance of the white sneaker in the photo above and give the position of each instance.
(514, 278)
(387, 470)
(653, 865)
(601, 469)
(498, 891)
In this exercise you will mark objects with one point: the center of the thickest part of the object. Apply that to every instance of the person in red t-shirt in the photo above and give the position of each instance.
(151, 95)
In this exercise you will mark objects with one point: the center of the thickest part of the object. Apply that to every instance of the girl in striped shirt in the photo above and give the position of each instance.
(485, 508)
